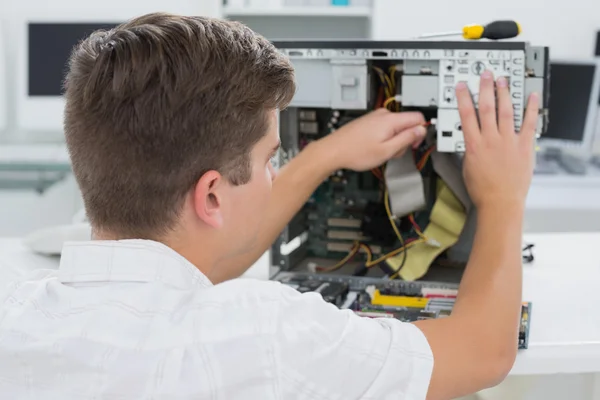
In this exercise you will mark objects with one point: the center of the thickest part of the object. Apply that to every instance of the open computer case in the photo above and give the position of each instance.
(393, 241)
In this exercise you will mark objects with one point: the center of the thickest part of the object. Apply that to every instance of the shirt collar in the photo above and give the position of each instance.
(131, 260)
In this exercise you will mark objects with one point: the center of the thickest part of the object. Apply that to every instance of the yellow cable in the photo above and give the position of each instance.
(395, 274)
(388, 101)
(344, 260)
(394, 252)
(368, 251)
(391, 86)
(417, 230)
(385, 80)
(390, 216)
(393, 76)
(392, 73)
(393, 223)
(446, 222)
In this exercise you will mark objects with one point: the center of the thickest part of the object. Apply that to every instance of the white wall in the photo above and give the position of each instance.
(24, 211)
(569, 27)
(294, 27)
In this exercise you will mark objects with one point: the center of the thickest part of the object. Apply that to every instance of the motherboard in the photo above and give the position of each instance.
(347, 214)
(404, 301)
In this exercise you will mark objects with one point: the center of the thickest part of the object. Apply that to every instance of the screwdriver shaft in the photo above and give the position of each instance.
(439, 34)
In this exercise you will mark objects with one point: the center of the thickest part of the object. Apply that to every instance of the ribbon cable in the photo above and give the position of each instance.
(447, 220)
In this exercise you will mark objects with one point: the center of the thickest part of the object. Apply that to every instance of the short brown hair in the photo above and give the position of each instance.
(157, 102)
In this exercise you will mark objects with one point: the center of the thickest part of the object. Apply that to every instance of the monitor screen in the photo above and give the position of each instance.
(570, 92)
(50, 46)
(597, 52)
(3, 89)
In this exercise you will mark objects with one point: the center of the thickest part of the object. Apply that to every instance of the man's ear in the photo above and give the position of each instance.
(207, 199)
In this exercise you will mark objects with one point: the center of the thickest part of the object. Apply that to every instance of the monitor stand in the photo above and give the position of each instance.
(545, 165)
(571, 164)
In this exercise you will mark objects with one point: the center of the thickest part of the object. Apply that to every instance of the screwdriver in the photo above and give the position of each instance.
(496, 30)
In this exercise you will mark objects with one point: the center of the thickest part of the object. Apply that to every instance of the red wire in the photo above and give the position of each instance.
(414, 223)
(380, 98)
(423, 159)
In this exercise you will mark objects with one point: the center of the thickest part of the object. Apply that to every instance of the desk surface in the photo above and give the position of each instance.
(563, 283)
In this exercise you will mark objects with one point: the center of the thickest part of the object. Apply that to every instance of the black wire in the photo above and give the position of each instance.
(404, 257)
(528, 253)
(404, 253)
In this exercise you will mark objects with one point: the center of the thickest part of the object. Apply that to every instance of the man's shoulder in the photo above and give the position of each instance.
(265, 290)
(245, 291)
(282, 296)
(28, 280)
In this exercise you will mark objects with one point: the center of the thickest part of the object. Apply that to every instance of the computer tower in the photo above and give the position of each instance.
(353, 240)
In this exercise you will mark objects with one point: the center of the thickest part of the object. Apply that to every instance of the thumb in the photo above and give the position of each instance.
(404, 120)
(405, 139)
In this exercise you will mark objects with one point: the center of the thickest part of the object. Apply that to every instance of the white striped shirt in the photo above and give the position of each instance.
(133, 319)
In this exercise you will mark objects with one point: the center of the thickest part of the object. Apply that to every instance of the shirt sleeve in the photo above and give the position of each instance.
(327, 353)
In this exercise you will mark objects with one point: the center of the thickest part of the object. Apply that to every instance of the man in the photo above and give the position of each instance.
(170, 122)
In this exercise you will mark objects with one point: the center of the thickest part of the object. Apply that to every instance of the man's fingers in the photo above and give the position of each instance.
(506, 123)
(487, 103)
(399, 154)
(404, 140)
(466, 110)
(531, 117)
(404, 120)
(382, 110)
(415, 145)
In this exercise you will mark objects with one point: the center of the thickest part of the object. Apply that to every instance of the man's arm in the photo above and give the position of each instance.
(476, 346)
(360, 145)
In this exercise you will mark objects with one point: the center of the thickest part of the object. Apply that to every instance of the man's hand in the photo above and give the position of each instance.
(498, 163)
(475, 347)
(371, 140)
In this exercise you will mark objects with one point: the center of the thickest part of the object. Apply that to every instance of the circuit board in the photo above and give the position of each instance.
(524, 325)
(404, 301)
(348, 206)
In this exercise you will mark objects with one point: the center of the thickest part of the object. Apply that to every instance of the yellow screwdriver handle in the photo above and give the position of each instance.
(473, 32)
(496, 30)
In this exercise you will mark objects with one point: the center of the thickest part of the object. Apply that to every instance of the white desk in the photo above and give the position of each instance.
(563, 283)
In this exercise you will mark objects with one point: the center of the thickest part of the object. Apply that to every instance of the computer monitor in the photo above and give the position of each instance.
(3, 88)
(573, 105)
(44, 57)
(41, 109)
(596, 144)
